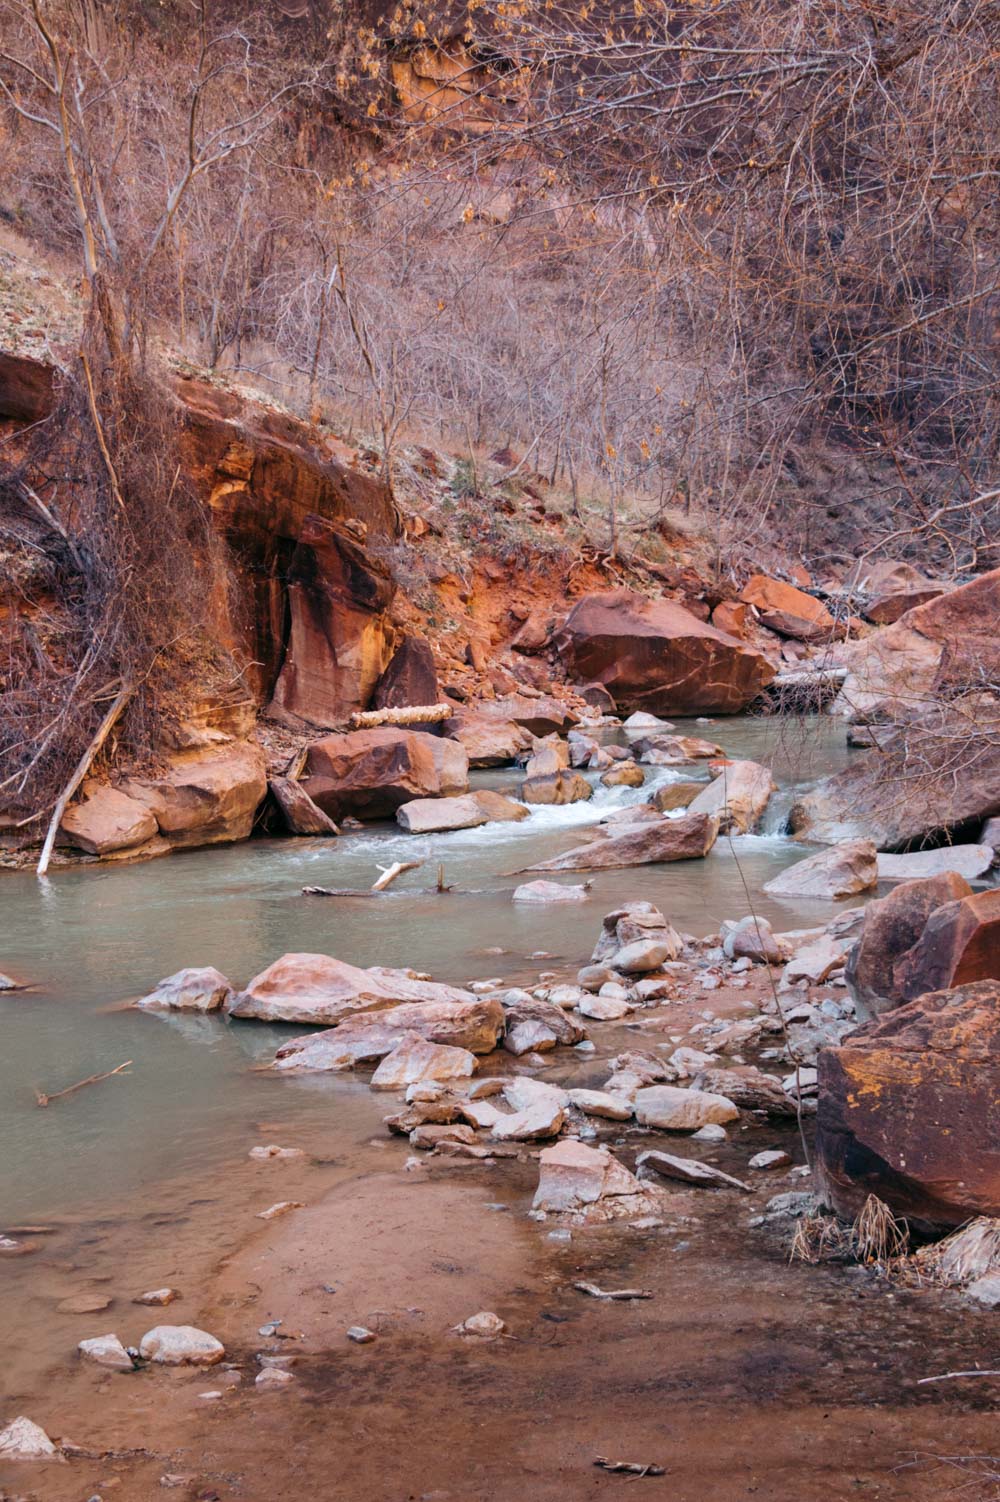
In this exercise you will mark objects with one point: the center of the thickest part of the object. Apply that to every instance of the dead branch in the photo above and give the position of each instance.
(389, 873)
(80, 772)
(428, 714)
(42, 1099)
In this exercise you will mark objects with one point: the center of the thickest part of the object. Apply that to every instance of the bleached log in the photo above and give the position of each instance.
(410, 714)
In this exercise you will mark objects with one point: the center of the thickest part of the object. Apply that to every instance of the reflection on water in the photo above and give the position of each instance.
(91, 937)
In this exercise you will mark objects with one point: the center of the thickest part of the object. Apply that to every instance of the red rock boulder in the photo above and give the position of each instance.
(787, 610)
(909, 1110)
(370, 773)
(892, 925)
(410, 680)
(656, 656)
(959, 944)
(206, 798)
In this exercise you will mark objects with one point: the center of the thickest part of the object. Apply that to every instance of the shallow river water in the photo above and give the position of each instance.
(91, 937)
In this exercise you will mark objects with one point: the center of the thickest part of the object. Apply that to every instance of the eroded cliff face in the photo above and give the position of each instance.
(304, 606)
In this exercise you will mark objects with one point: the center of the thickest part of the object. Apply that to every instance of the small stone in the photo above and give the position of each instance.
(106, 1350)
(273, 1379)
(711, 1132)
(484, 1323)
(263, 1154)
(604, 1008)
(773, 1158)
(361, 1335)
(281, 1208)
(181, 1345)
(688, 1171)
(158, 1296)
(24, 1440)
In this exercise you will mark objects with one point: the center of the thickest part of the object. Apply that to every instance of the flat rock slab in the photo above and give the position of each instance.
(969, 861)
(688, 1171)
(107, 1351)
(319, 988)
(687, 838)
(432, 815)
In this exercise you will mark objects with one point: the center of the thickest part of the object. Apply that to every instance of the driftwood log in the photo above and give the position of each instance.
(410, 714)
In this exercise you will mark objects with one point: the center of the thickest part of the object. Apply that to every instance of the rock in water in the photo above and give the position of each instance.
(549, 891)
(892, 925)
(654, 655)
(371, 772)
(181, 1345)
(688, 1171)
(960, 943)
(193, 990)
(739, 795)
(908, 1111)
(24, 1440)
(318, 988)
(106, 1350)
(499, 809)
(537, 1120)
(602, 1103)
(302, 815)
(475, 1025)
(675, 1110)
(415, 1059)
(430, 815)
(687, 838)
(107, 820)
(206, 797)
(845, 870)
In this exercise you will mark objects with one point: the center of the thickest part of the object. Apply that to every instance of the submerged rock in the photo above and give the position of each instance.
(319, 988)
(908, 1111)
(847, 869)
(549, 891)
(192, 990)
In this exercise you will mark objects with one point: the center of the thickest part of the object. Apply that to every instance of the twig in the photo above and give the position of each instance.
(629, 1467)
(947, 1376)
(389, 873)
(612, 1293)
(82, 768)
(92, 1079)
(109, 464)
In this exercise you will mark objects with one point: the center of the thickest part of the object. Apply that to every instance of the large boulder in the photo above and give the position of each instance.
(688, 838)
(318, 988)
(845, 870)
(959, 944)
(372, 772)
(892, 925)
(909, 1110)
(938, 774)
(969, 861)
(487, 740)
(410, 680)
(541, 715)
(431, 815)
(206, 797)
(107, 820)
(787, 610)
(900, 666)
(739, 795)
(339, 641)
(655, 655)
(476, 1025)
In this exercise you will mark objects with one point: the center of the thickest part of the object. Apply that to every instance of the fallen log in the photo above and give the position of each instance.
(82, 768)
(409, 714)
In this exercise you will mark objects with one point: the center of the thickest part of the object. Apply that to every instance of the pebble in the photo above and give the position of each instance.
(181, 1345)
(158, 1296)
(272, 1150)
(273, 1379)
(485, 1323)
(712, 1132)
(281, 1208)
(361, 1335)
